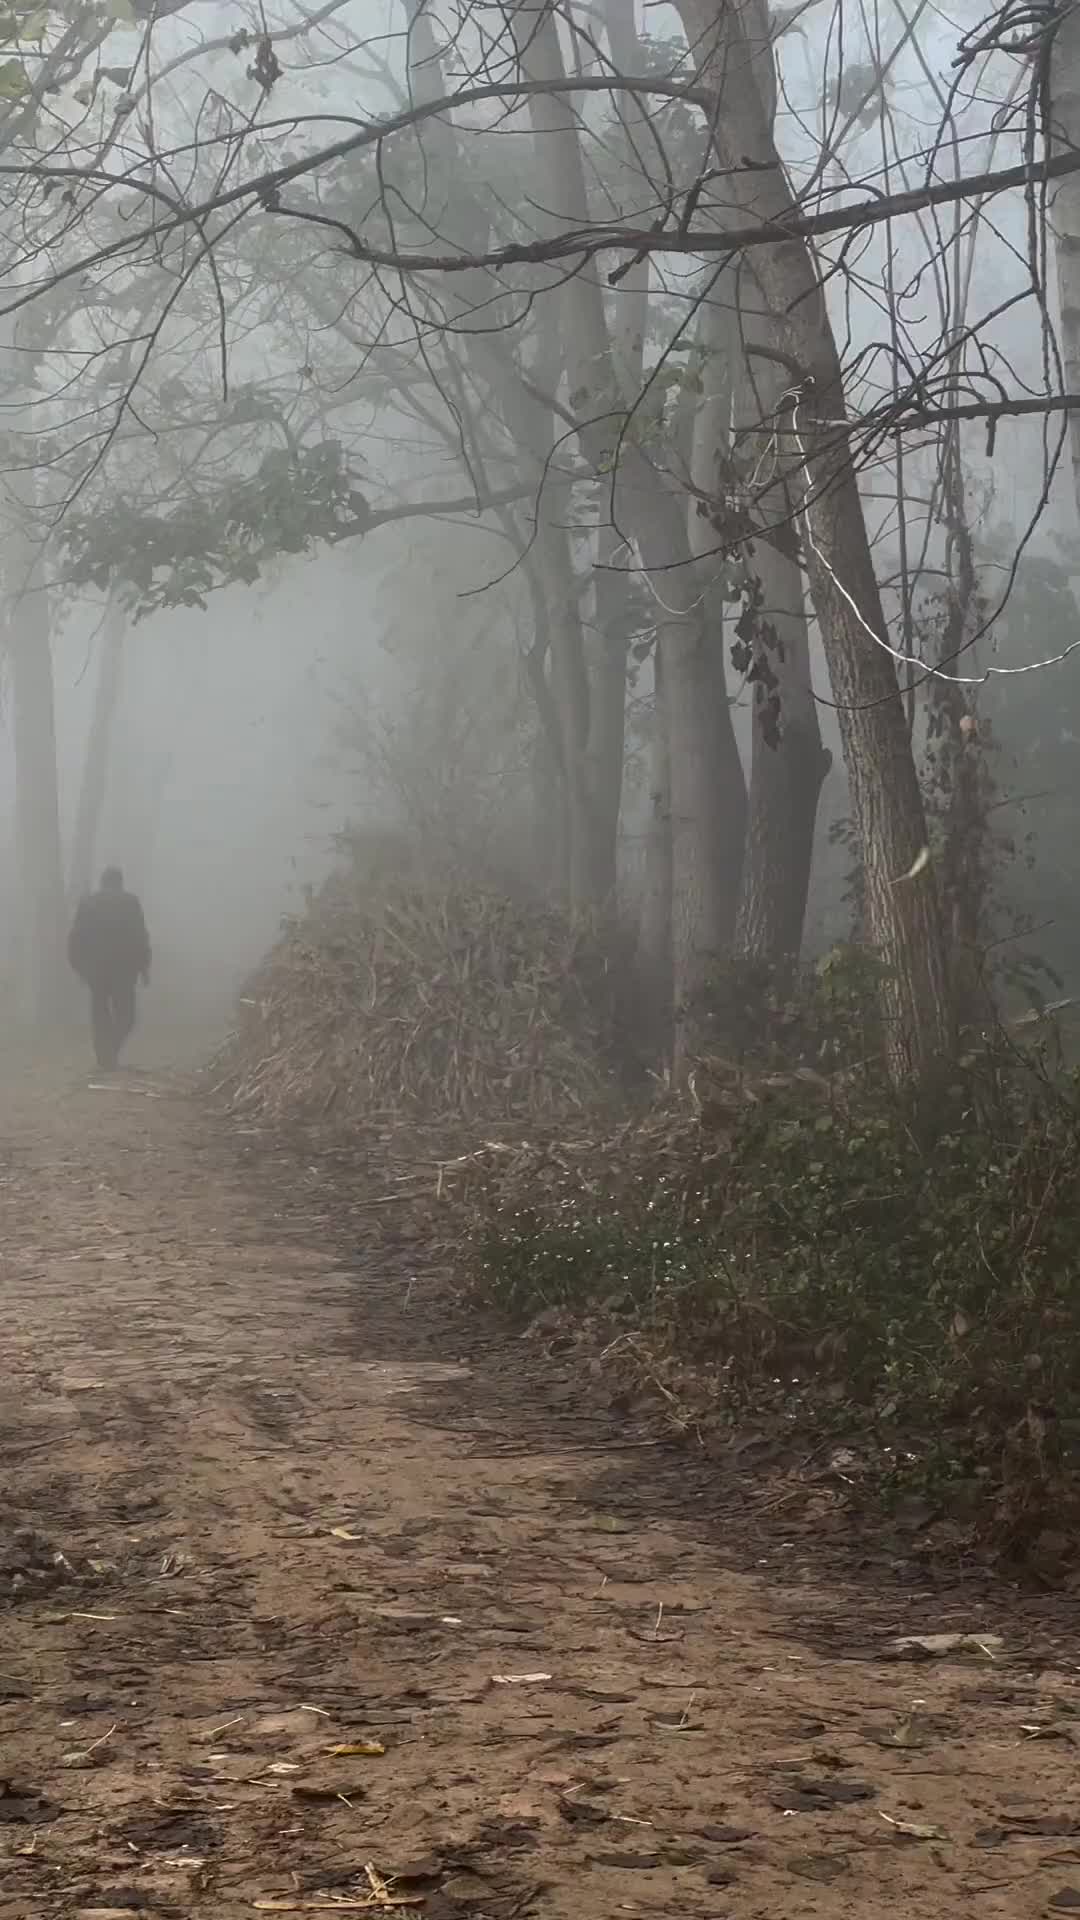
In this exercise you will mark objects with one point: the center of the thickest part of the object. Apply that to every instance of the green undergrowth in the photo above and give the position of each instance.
(817, 1253)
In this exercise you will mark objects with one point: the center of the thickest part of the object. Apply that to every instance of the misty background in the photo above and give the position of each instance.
(246, 737)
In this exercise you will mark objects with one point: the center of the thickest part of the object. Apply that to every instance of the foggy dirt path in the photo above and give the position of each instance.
(287, 1530)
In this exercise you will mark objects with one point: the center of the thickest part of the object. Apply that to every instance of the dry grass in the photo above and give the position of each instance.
(400, 997)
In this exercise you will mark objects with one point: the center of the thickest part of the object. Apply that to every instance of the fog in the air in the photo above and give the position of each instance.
(247, 735)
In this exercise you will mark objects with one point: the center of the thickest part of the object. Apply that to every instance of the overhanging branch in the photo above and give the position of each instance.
(989, 410)
(579, 244)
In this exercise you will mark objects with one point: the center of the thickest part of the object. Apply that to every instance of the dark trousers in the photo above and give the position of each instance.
(112, 1016)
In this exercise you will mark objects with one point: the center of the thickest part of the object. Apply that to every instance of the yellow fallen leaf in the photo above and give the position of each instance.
(344, 1533)
(357, 1749)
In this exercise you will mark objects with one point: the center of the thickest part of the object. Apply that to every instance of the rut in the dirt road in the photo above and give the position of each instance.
(287, 1630)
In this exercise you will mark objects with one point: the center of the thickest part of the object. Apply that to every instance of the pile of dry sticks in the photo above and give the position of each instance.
(407, 1000)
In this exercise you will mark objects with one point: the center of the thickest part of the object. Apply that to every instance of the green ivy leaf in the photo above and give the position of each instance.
(13, 80)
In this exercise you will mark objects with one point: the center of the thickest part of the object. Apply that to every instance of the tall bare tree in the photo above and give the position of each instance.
(41, 865)
(647, 506)
(1064, 66)
(95, 773)
(735, 55)
(788, 761)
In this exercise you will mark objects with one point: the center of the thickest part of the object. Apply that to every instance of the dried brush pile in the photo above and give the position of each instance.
(399, 997)
(664, 1156)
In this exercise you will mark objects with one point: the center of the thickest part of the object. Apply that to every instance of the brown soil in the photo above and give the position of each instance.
(261, 1505)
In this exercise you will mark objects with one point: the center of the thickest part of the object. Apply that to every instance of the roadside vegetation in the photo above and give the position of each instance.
(882, 1275)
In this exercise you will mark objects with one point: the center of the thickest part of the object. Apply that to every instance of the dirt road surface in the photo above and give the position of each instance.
(264, 1516)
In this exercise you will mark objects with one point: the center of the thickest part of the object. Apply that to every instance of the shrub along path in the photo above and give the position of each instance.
(313, 1602)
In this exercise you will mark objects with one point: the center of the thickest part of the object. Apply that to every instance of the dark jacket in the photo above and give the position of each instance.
(108, 941)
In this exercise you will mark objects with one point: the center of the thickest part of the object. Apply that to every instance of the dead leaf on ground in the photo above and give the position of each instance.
(912, 1829)
(425, 1867)
(464, 1891)
(519, 1679)
(408, 1619)
(935, 1646)
(611, 1523)
(908, 1735)
(821, 1796)
(23, 1804)
(322, 1795)
(822, 1867)
(371, 1903)
(357, 1750)
(1037, 1826)
(582, 1813)
(631, 1862)
(574, 1741)
(377, 1900)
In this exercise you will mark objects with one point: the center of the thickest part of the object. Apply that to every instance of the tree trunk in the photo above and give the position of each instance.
(629, 320)
(565, 696)
(742, 395)
(788, 762)
(707, 789)
(786, 775)
(549, 858)
(96, 764)
(654, 925)
(707, 808)
(41, 865)
(571, 693)
(1065, 217)
(902, 903)
(153, 778)
(607, 708)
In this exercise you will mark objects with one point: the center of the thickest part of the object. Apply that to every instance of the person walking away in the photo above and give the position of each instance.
(109, 949)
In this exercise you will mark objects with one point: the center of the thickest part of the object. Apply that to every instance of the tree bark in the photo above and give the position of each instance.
(707, 788)
(707, 791)
(566, 696)
(572, 695)
(903, 912)
(1065, 209)
(41, 865)
(95, 774)
(788, 762)
(739, 394)
(742, 393)
(654, 950)
(786, 777)
(607, 708)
